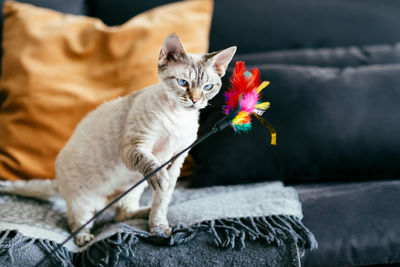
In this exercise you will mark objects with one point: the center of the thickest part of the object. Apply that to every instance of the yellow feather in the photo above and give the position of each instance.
(270, 128)
(262, 86)
(240, 118)
(263, 106)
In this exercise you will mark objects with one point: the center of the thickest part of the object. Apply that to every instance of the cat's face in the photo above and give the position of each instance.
(191, 79)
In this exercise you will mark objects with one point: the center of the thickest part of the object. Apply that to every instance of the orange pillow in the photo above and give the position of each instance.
(58, 67)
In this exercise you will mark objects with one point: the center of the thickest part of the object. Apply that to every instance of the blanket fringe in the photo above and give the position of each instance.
(227, 233)
(274, 229)
(13, 242)
(107, 252)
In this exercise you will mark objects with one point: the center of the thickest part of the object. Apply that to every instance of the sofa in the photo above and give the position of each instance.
(334, 88)
(321, 59)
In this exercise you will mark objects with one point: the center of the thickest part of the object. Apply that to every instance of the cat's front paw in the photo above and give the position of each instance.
(82, 239)
(159, 181)
(161, 229)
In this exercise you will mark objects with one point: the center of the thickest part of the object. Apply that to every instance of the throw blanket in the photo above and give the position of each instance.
(257, 224)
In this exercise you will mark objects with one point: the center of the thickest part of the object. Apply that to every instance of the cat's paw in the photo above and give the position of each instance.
(82, 239)
(161, 229)
(159, 181)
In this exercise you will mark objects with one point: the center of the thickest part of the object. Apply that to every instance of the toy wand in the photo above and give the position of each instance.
(241, 101)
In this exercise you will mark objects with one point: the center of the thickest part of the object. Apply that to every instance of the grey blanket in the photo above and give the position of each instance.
(250, 225)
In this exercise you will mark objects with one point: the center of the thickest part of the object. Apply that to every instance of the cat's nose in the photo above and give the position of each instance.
(195, 96)
(195, 99)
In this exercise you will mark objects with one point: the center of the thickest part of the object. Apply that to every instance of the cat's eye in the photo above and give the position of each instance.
(208, 87)
(182, 82)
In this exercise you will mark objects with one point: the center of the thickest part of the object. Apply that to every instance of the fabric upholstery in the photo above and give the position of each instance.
(341, 57)
(117, 12)
(333, 124)
(356, 224)
(57, 68)
(263, 25)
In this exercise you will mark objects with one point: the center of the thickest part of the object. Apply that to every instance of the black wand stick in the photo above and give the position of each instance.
(222, 124)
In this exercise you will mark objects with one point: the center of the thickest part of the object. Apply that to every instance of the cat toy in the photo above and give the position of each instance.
(241, 101)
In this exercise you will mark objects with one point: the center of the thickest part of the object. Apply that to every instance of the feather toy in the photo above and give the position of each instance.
(243, 100)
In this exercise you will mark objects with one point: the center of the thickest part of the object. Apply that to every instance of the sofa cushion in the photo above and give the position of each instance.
(355, 223)
(76, 7)
(58, 67)
(117, 12)
(260, 25)
(332, 124)
(328, 57)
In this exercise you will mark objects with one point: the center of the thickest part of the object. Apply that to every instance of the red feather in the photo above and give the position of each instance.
(255, 79)
(240, 84)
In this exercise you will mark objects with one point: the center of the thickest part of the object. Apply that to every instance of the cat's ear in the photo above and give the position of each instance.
(172, 49)
(220, 60)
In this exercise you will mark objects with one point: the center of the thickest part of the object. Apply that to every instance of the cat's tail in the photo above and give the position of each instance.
(37, 188)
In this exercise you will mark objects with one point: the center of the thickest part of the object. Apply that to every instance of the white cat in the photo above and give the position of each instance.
(123, 139)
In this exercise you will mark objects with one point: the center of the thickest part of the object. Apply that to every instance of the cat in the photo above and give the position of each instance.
(122, 140)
